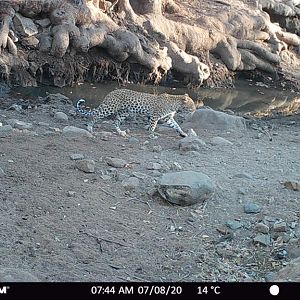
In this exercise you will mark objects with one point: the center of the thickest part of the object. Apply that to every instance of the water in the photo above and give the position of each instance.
(247, 97)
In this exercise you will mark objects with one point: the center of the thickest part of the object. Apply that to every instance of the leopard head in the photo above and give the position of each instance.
(187, 104)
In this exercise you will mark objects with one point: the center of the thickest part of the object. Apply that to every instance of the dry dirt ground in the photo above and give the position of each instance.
(61, 224)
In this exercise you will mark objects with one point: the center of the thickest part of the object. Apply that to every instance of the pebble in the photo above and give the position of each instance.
(71, 194)
(44, 124)
(72, 131)
(61, 116)
(175, 166)
(191, 144)
(76, 156)
(86, 165)
(139, 175)
(262, 228)
(252, 208)
(292, 185)
(105, 177)
(153, 166)
(157, 148)
(223, 229)
(280, 227)
(233, 224)
(220, 141)
(191, 132)
(133, 140)
(116, 162)
(241, 191)
(244, 175)
(19, 124)
(104, 135)
(263, 239)
(131, 183)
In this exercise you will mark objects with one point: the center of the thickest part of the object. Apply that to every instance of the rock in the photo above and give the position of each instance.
(6, 128)
(263, 239)
(104, 135)
(30, 41)
(71, 194)
(244, 175)
(61, 116)
(54, 98)
(16, 275)
(72, 131)
(186, 187)
(289, 273)
(191, 144)
(252, 208)
(2, 174)
(220, 141)
(131, 183)
(175, 166)
(241, 191)
(133, 140)
(292, 185)
(262, 228)
(233, 224)
(223, 229)
(43, 124)
(153, 166)
(157, 148)
(43, 22)
(24, 26)
(280, 227)
(76, 156)
(116, 162)
(86, 165)
(19, 124)
(139, 175)
(210, 119)
(106, 177)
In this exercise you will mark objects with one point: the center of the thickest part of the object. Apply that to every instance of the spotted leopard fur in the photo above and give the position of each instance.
(121, 102)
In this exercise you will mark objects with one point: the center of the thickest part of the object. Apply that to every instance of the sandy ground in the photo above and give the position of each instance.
(61, 224)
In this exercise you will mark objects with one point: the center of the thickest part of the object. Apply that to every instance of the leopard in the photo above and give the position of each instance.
(120, 103)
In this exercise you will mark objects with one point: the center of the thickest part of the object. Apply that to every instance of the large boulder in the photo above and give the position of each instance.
(186, 187)
(210, 119)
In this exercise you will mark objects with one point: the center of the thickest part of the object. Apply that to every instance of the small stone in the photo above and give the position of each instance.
(61, 116)
(6, 128)
(252, 208)
(24, 26)
(280, 227)
(220, 141)
(19, 124)
(104, 135)
(244, 175)
(139, 175)
(106, 177)
(157, 148)
(133, 140)
(116, 162)
(223, 229)
(86, 165)
(263, 239)
(71, 194)
(43, 124)
(131, 183)
(233, 224)
(76, 156)
(241, 191)
(262, 228)
(175, 166)
(72, 131)
(30, 41)
(191, 144)
(292, 185)
(153, 166)
(43, 22)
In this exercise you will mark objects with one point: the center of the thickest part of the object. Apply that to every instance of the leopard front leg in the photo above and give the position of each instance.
(117, 122)
(173, 124)
(152, 125)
